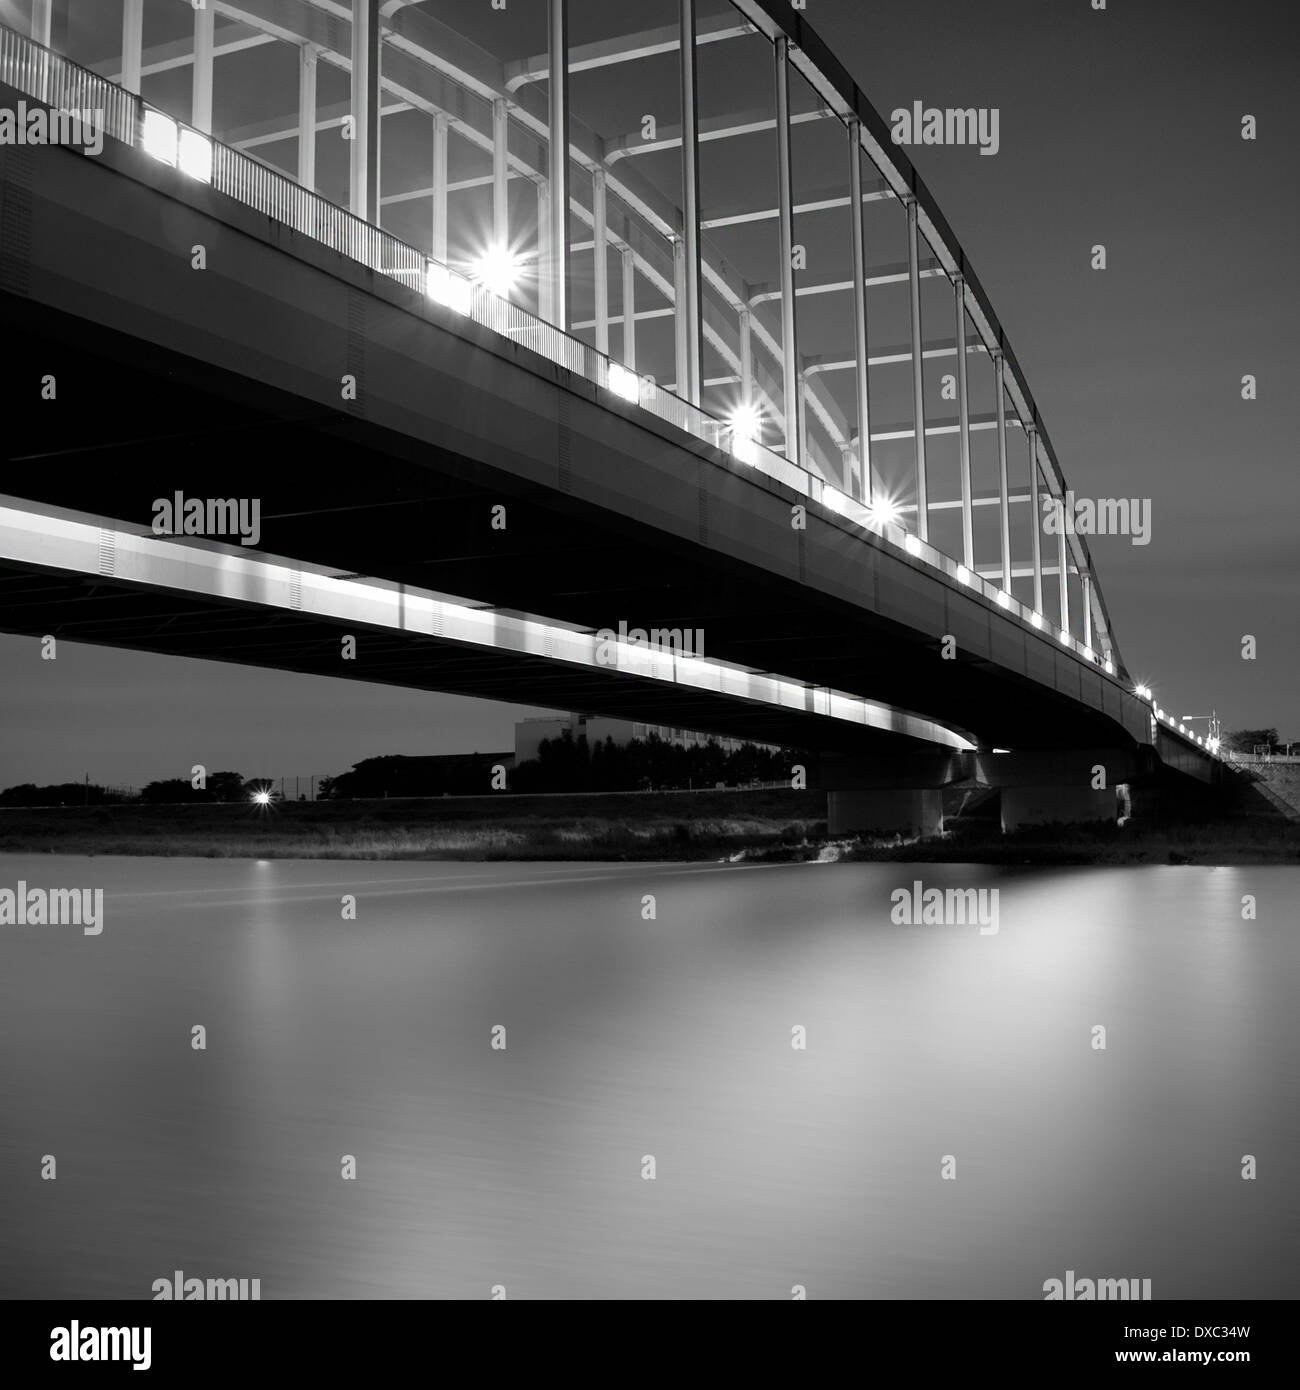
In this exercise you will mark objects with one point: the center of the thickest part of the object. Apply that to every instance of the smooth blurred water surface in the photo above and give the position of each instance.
(630, 1037)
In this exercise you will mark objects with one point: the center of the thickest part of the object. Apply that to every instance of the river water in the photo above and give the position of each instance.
(629, 1038)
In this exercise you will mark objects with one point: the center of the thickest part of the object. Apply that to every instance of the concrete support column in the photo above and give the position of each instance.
(1066, 785)
(600, 252)
(1004, 498)
(690, 203)
(558, 72)
(888, 793)
(918, 380)
(1068, 805)
(907, 811)
(307, 57)
(862, 486)
(629, 309)
(363, 181)
(439, 213)
(132, 44)
(785, 213)
(204, 44)
(963, 417)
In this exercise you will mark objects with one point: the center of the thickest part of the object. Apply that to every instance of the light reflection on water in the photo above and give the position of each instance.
(627, 1038)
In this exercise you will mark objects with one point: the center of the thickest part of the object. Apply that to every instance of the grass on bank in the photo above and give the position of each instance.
(753, 827)
(705, 825)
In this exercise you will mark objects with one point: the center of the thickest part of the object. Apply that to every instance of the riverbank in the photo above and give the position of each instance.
(1247, 840)
(775, 826)
(635, 826)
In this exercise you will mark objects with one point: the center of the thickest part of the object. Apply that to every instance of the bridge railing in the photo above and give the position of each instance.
(258, 186)
(65, 85)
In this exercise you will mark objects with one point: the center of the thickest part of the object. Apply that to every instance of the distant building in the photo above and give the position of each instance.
(531, 733)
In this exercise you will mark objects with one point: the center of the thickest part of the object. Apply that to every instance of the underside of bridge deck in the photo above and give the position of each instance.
(138, 423)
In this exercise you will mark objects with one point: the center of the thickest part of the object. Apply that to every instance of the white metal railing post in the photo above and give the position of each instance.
(963, 416)
(600, 254)
(545, 281)
(746, 359)
(363, 170)
(132, 44)
(918, 379)
(629, 309)
(1035, 521)
(558, 128)
(789, 344)
(1004, 496)
(307, 58)
(690, 203)
(204, 42)
(1063, 564)
(863, 488)
(680, 326)
(439, 211)
(500, 176)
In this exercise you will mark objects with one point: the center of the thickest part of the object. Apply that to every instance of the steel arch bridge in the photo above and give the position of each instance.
(743, 335)
(688, 203)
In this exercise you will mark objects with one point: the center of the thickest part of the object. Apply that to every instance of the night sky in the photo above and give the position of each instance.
(1120, 127)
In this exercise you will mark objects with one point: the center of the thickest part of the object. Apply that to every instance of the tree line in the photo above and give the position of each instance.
(566, 764)
(220, 787)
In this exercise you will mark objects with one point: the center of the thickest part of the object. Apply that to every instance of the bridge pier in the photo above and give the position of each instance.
(904, 793)
(1044, 804)
(894, 794)
(906, 811)
(1068, 785)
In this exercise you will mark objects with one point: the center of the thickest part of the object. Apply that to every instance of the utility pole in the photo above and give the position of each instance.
(1212, 717)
